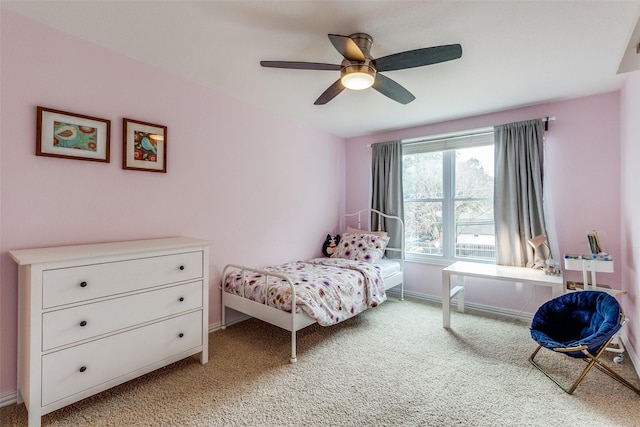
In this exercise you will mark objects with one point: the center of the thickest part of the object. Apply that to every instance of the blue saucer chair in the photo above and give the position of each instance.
(580, 325)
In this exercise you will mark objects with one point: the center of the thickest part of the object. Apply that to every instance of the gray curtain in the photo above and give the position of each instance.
(518, 192)
(386, 196)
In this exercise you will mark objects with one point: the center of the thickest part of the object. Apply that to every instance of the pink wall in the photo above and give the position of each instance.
(226, 179)
(582, 167)
(630, 229)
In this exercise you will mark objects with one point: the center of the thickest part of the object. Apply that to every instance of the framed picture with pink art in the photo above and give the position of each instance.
(145, 146)
(72, 136)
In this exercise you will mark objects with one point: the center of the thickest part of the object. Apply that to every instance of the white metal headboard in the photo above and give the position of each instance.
(381, 215)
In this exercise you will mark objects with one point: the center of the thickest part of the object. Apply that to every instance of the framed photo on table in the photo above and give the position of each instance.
(72, 136)
(145, 146)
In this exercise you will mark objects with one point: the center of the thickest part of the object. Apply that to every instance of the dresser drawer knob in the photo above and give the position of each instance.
(83, 284)
(181, 267)
(83, 323)
(181, 335)
(83, 368)
(181, 299)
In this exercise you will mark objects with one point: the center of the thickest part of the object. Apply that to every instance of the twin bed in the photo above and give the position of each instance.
(325, 290)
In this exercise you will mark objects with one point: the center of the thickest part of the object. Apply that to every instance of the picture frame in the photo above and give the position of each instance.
(72, 136)
(145, 146)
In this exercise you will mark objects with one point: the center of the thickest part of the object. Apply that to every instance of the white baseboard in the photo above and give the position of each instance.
(215, 327)
(8, 399)
(519, 315)
(629, 353)
(239, 318)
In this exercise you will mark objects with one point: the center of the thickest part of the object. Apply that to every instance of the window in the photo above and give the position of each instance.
(448, 197)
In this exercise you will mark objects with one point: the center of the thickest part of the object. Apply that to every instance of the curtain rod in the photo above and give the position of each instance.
(545, 119)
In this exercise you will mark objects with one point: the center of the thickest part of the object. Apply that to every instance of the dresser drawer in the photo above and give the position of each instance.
(74, 284)
(69, 325)
(73, 370)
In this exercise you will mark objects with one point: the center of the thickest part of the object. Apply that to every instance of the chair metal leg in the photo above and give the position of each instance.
(568, 390)
(613, 374)
(592, 360)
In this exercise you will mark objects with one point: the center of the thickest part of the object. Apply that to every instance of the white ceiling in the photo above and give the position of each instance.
(515, 53)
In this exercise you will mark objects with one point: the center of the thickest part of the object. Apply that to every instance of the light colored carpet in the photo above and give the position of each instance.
(391, 366)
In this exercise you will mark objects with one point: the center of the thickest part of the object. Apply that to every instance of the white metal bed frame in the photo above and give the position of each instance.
(295, 320)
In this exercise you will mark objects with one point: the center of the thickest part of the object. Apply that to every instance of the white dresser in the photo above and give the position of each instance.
(94, 316)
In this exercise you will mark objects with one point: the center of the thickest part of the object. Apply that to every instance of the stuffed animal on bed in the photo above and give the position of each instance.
(329, 246)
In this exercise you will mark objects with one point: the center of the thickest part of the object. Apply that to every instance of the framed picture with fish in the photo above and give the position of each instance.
(72, 136)
(145, 146)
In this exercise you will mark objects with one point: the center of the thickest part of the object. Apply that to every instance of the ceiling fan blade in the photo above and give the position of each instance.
(418, 57)
(331, 92)
(392, 89)
(300, 65)
(347, 47)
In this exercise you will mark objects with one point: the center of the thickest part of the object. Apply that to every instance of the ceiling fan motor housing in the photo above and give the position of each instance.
(362, 73)
(350, 67)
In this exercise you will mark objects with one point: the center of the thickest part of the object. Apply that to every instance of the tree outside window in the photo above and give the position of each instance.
(448, 202)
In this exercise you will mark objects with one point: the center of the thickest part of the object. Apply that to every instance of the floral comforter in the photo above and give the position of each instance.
(328, 289)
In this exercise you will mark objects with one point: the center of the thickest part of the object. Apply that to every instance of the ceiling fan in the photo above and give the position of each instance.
(359, 70)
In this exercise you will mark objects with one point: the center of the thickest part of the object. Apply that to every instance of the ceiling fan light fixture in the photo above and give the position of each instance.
(357, 81)
(358, 77)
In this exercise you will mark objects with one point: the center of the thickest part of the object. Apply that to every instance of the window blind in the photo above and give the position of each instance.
(452, 141)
